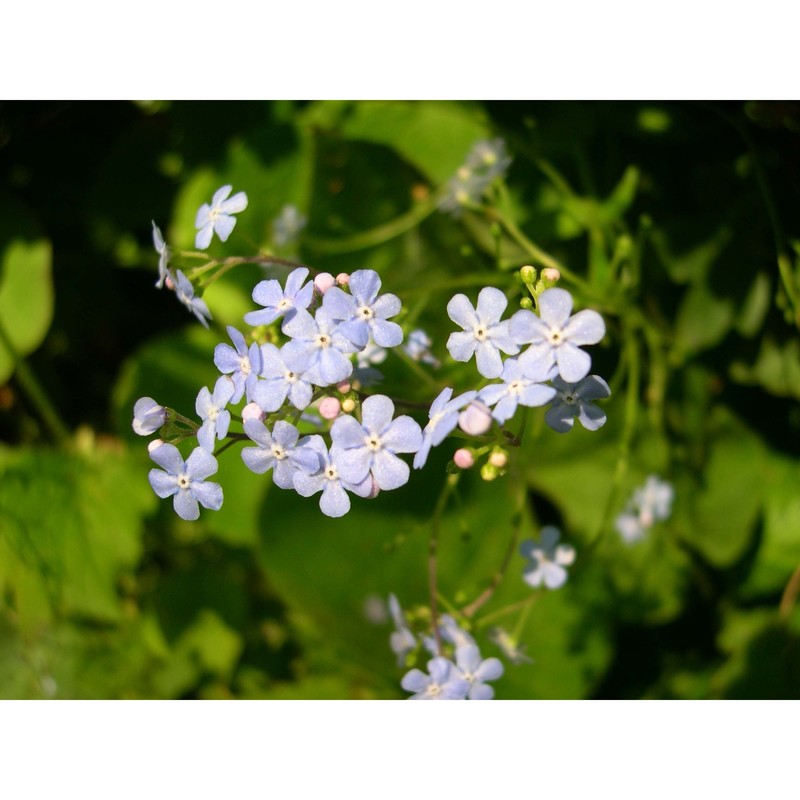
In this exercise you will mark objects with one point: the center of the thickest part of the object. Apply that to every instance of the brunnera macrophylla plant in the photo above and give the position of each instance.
(305, 357)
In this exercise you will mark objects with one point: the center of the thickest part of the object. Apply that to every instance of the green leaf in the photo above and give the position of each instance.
(71, 526)
(723, 509)
(763, 658)
(703, 320)
(779, 552)
(433, 136)
(776, 368)
(26, 285)
(326, 569)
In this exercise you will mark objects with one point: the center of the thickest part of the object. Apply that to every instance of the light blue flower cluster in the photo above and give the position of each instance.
(325, 332)
(464, 677)
(553, 356)
(649, 504)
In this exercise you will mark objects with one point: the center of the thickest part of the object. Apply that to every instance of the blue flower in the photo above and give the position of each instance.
(418, 347)
(516, 389)
(216, 218)
(443, 417)
(317, 349)
(334, 501)
(648, 505)
(185, 480)
(443, 683)
(372, 445)
(287, 225)
(402, 640)
(279, 451)
(362, 313)
(163, 256)
(278, 302)
(476, 671)
(242, 364)
(547, 559)
(484, 335)
(279, 382)
(574, 400)
(148, 416)
(555, 337)
(211, 409)
(185, 293)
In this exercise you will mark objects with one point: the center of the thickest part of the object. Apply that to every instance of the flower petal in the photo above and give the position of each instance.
(462, 312)
(185, 505)
(555, 306)
(491, 305)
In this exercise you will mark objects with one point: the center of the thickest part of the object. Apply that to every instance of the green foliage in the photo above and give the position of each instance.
(655, 215)
(26, 288)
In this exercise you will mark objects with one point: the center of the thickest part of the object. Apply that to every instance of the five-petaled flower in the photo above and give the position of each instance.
(516, 389)
(278, 302)
(555, 337)
(444, 682)
(279, 451)
(243, 364)
(575, 400)
(372, 445)
(547, 558)
(216, 218)
(185, 480)
(484, 335)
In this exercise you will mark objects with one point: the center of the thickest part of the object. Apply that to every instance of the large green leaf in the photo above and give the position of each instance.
(433, 136)
(326, 569)
(71, 525)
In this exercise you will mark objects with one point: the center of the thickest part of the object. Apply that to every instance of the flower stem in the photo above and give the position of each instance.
(486, 594)
(35, 392)
(378, 235)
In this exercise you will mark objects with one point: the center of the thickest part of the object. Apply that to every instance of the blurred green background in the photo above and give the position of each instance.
(682, 219)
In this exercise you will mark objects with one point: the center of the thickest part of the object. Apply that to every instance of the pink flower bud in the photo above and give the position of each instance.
(343, 278)
(463, 458)
(475, 419)
(329, 408)
(550, 274)
(344, 387)
(169, 282)
(154, 444)
(253, 411)
(323, 282)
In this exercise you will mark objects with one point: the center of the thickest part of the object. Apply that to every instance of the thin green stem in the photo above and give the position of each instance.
(433, 547)
(378, 235)
(533, 250)
(484, 597)
(35, 392)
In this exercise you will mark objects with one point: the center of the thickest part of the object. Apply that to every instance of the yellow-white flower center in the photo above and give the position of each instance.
(515, 387)
(555, 337)
(284, 304)
(244, 366)
(213, 413)
(481, 332)
(330, 472)
(434, 689)
(184, 481)
(569, 398)
(373, 442)
(290, 377)
(322, 340)
(278, 452)
(365, 312)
